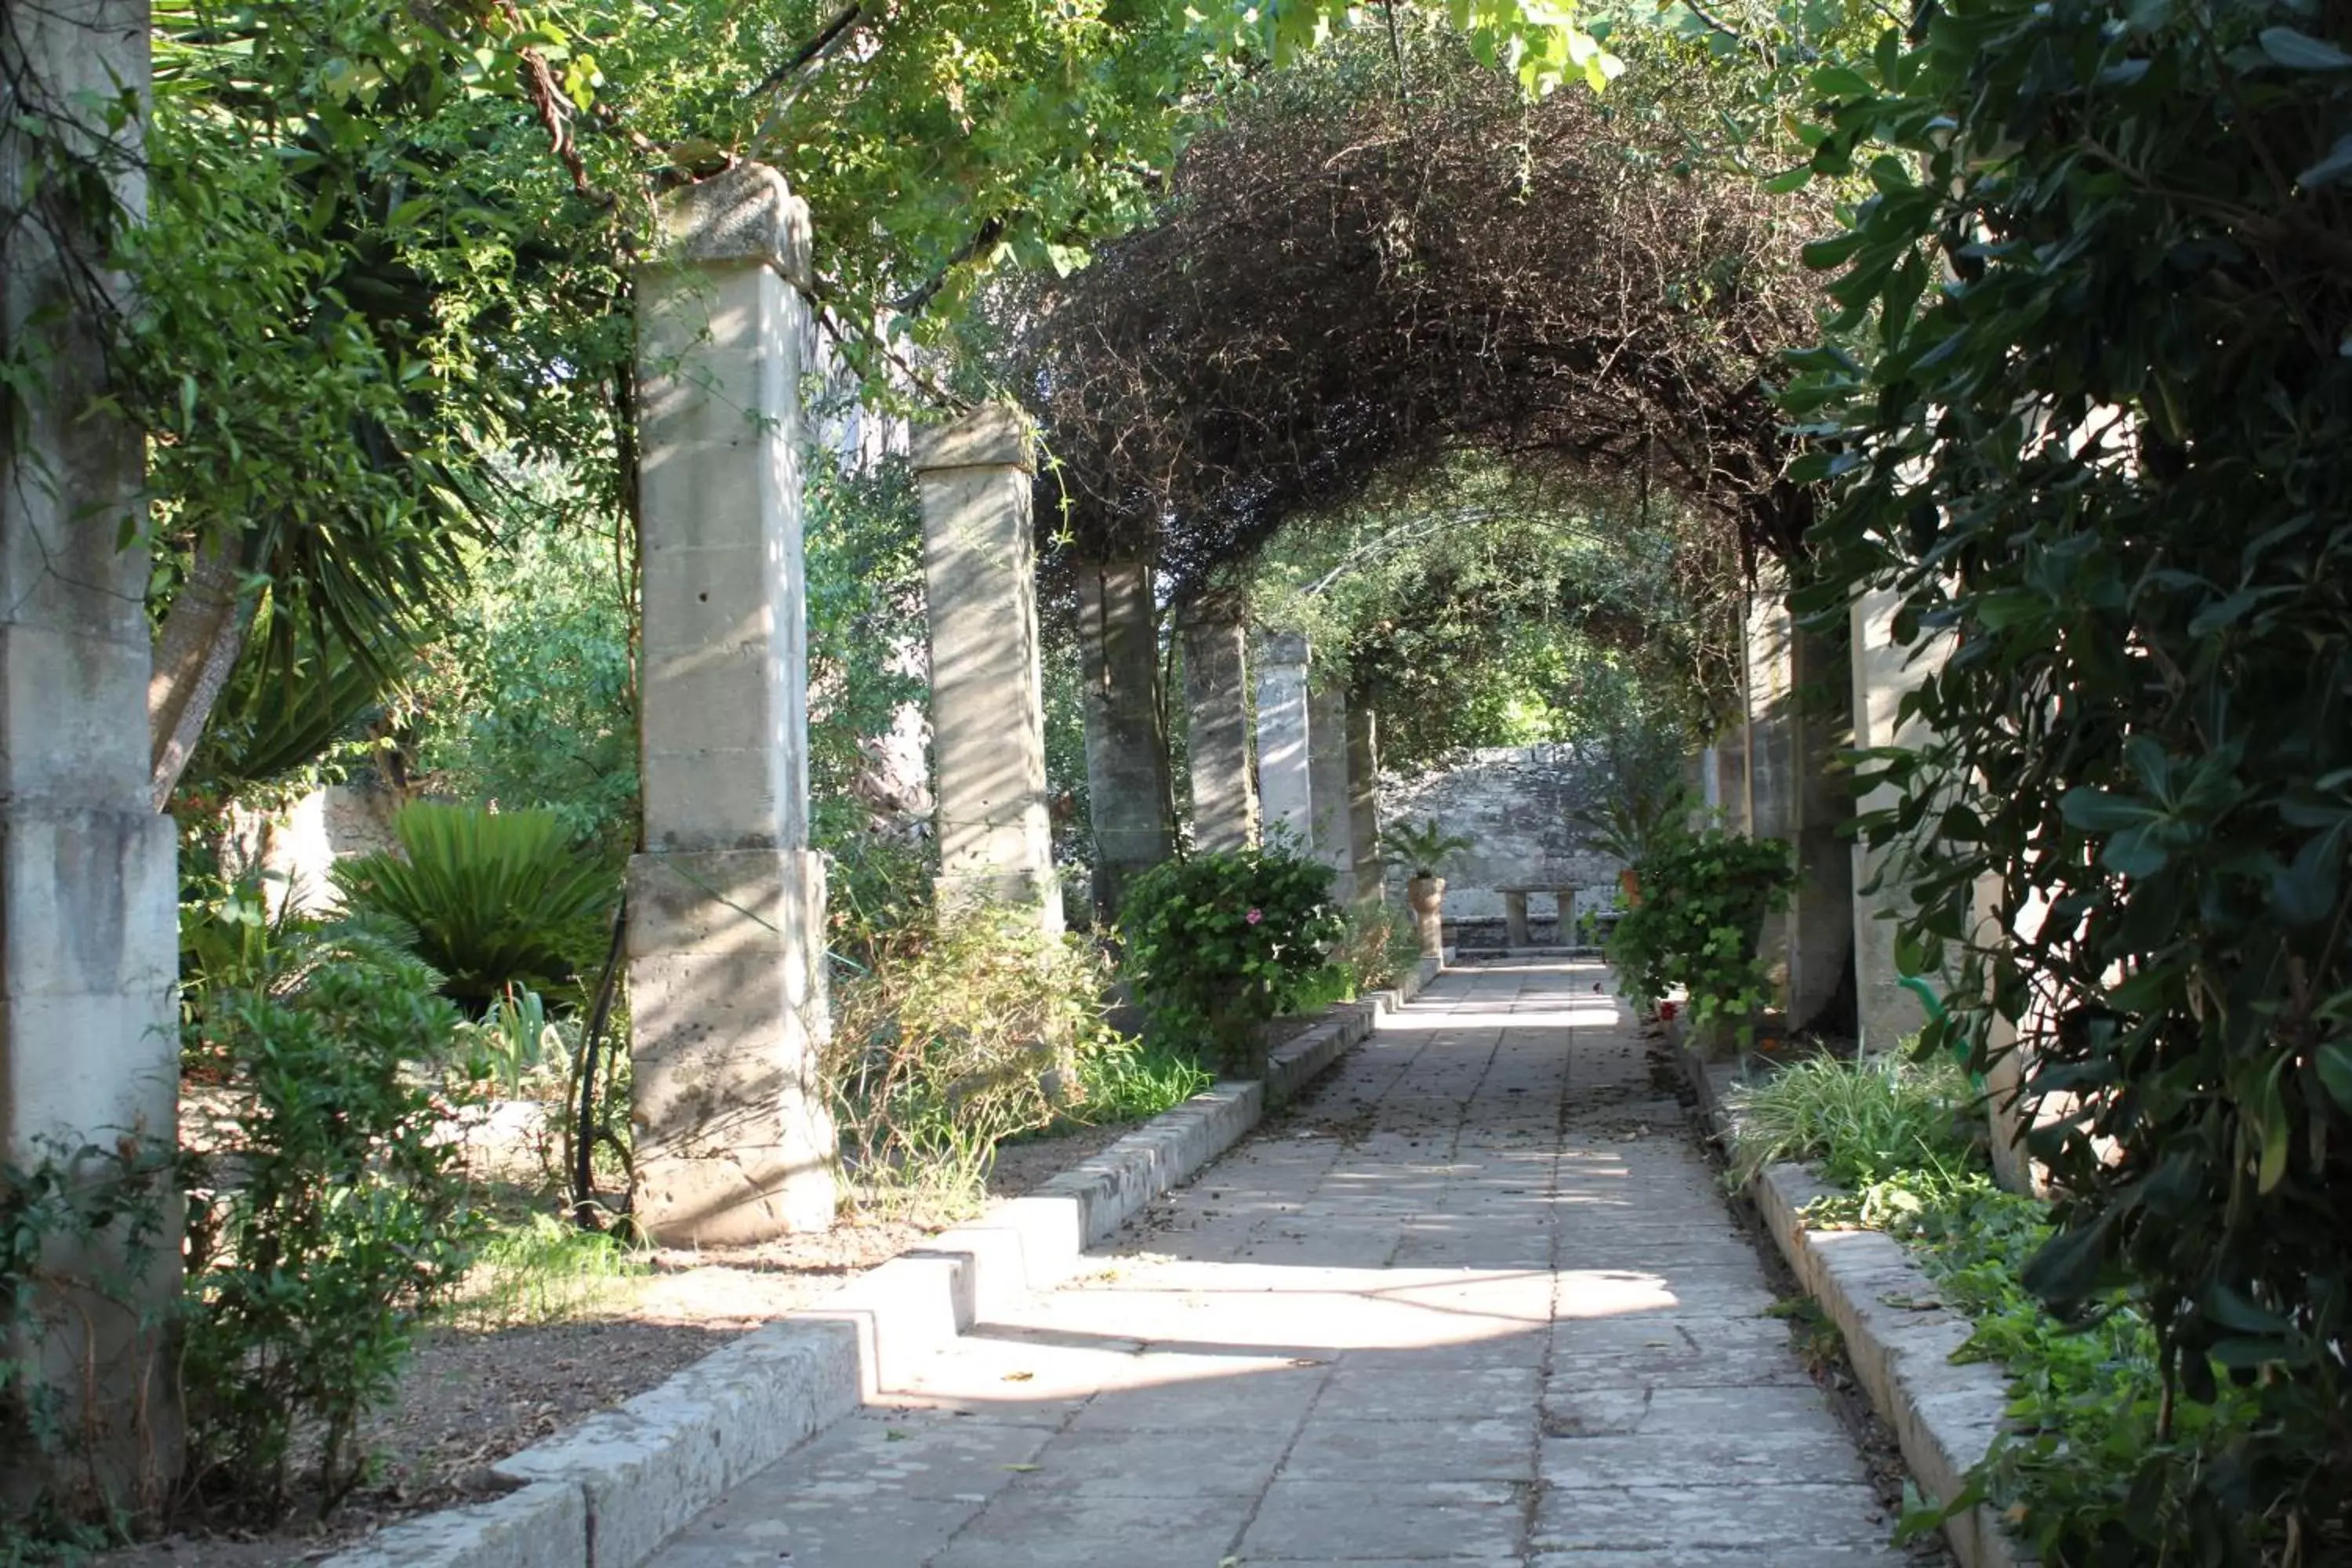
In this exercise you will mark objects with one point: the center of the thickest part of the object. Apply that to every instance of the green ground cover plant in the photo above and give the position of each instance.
(1125, 1079)
(2083, 1469)
(540, 1269)
(1220, 943)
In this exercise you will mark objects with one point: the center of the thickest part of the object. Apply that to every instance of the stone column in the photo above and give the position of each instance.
(1326, 782)
(1127, 762)
(88, 895)
(988, 709)
(1820, 919)
(1284, 790)
(1730, 750)
(1364, 808)
(1216, 701)
(726, 936)
(1884, 671)
(1766, 663)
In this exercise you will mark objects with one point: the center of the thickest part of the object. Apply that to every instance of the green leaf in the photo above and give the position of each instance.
(2233, 1312)
(2068, 1268)
(2333, 1061)
(1839, 81)
(2300, 51)
(2096, 811)
(2273, 1131)
(2336, 166)
(2305, 892)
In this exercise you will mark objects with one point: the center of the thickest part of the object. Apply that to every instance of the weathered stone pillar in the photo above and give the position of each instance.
(1326, 782)
(1730, 750)
(1285, 790)
(727, 902)
(1768, 665)
(1127, 762)
(1216, 701)
(1364, 808)
(1884, 671)
(89, 930)
(988, 708)
(1820, 917)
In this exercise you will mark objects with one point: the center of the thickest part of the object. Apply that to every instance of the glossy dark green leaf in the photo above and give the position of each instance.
(2302, 52)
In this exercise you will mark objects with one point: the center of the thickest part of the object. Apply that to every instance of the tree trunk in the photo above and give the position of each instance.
(196, 650)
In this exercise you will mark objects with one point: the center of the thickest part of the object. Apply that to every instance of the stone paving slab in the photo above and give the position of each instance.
(1476, 1299)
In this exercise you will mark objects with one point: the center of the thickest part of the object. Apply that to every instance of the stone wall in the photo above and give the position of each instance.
(1517, 805)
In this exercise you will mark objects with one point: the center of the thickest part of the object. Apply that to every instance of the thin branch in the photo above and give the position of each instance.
(808, 53)
(913, 300)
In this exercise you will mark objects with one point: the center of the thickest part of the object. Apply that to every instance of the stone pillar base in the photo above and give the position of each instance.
(1041, 890)
(734, 1142)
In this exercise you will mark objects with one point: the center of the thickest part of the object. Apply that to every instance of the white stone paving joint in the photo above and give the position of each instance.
(1479, 1300)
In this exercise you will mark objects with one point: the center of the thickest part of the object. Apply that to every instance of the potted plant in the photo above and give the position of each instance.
(1630, 826)
(1422, 851)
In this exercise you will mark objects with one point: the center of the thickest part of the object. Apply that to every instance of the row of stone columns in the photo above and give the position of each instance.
(726, 910)
(1774, 773)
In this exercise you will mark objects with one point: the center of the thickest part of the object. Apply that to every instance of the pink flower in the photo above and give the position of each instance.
(1255, 916)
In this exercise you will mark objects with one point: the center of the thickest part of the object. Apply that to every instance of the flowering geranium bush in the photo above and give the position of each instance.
(1217, 944)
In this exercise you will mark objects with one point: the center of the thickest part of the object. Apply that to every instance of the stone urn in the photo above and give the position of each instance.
(1423, 894)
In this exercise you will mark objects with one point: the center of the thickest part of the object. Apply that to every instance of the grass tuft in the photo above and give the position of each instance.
(546, 1271)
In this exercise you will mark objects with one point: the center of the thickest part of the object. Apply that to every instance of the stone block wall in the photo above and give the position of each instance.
(1517, 805)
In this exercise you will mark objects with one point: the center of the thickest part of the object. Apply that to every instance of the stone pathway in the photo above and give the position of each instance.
(1480, 1300)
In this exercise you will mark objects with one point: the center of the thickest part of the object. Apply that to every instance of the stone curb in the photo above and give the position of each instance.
(1945, 1414)
(609, 1492)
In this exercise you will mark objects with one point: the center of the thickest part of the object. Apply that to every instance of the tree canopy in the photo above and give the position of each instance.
(1477, 606)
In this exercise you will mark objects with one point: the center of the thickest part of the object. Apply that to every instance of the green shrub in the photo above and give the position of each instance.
(1220, 943)
(327, 1211)
(2084, 413)
(873, 886)
(1695, 920)
(494, 899)
(968, 1028)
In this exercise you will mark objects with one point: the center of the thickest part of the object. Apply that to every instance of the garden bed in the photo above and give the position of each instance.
(475, 1394)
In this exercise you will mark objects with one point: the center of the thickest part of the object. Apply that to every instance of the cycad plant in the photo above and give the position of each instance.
(1421, 850)
(496, 898)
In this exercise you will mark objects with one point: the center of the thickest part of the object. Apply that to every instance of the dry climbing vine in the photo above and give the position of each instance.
(1344, 285)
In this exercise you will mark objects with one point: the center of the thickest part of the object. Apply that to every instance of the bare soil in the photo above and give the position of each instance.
(471, 1397)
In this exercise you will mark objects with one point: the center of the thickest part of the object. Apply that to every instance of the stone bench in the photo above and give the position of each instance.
(1515, 911)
